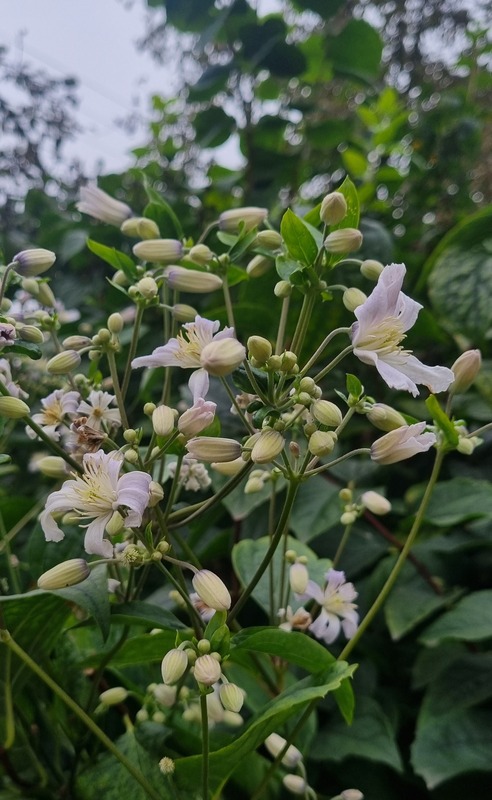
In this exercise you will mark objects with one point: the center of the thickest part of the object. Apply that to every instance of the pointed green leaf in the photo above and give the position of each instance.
(114, 257)
(298, 239)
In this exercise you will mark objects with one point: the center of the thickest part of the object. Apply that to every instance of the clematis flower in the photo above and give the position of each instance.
(102, 206)
(98, 493)
(56, 407)
(185, 351)
(7, 334)
(337, 609)
(402, 443)
(96, 409)
(382, 322)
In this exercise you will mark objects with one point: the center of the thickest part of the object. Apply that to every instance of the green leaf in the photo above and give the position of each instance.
(248, 554)
(351, 219)
(354, 162)
(465, 682)
(213, 127)
(114, 257)
(147, 648)
(458, 500)
(26, 349)
(411, 602)
(354, 386)
(453, 744)
(141, 613)
(442, 421)
(356, 51)
(470, 620)
(296, 648)
(222, 762)
(286, 267)
(370, 736)
(92, 596)
(317, 509)
(298, 239)
(155, 199)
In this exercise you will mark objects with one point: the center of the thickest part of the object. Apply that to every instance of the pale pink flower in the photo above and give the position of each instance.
(97, 494)
(97, 410)
(100, 205)
(402, 443)
(197, 418)
(382, 322)
(185, 351)
(337, 609)
(6, 379)
(57, 406)
(7, 334)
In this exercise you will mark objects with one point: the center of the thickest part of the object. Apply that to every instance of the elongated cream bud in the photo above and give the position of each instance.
(163, 421)
(231, 697)
(183, 313)
(345, 240)
(173, 666)
(385, 418)
(29, 333)
(63, 363)
(295, 784)
(13, 408)
(161, 251)
(376, 503)
(222, 356)
(100, 205)
(465, 369)
(68, 573)
(249, 216)
(298, 577)
(274, 743)
(267, 447)
(327, 413)
(333, 208)
(201, 254)
(271, 240)
(212, 590)
(113, 696)
(34, 262)
(258, 266)
(208, 448)
(76, 342)
(191, 280)
(371, 269)
(207, 670)
(52, 466)
(140, 228)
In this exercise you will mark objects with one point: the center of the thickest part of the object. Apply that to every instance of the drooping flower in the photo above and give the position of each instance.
(197, 418)
(402, 443)
(337, 609)
(102, 206)
(56, 408)
(185, 351)
(96, 409)
(97, 494)
(383, 320)
(193, 476)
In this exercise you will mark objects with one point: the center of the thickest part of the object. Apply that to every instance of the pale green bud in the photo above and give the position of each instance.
(259, 348)
(76, 342)
(163, 420)
(385, 418)
(267, 447)
(333, 208)
(30, 285)
(46, 296)
(307, 385)
(208, 448)
(149, 409)
(282, 289)
(231, 697)
(120, 278)
(34, 262)
(371, 269)
(345, 240)
(212, 590)
(31, 334)
(228, 467)
(298, 577)
(140, 228)
(162, 251)
(68, 573)
(147, 288)
(353, 298)
(321, 443)
(207, 670)
(249, 216)
(271, 240)
(258, 266)
(253, 485)
(52, 466)
(289, 361)
(13, 407)
(113, 696)
(221, 356)
(115, 323)
(191, 280)
(184, 313)
(275, 744)
(295, 784)
(274, 362)
(467, 444)
(465, 369)
(376, 503)
(63, 363)
(346, 495)
(173, 666)
(201, 254)
(326, 413)
(115, 524)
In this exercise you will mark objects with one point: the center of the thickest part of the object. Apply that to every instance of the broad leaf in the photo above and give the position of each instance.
(114, 257)
(470, 620)
(298, 239)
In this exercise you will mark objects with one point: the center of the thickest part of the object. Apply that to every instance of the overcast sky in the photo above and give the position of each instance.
(94, 41)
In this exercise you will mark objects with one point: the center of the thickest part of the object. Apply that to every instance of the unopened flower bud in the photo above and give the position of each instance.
(115, 323)
(76, 342)
(292, 756)
(29, 333)
(353, 298)
(385, 418)
(102, 206)
(298, 577)
(402, 443)
(163, 421)
(289, 361)
(34, 262)
(229, 467)
(191, 280)
(376, 503)
(271, 240)
(183, 313)
(371, 269)
(267, 447)
(140, 228)
(147, 288)
(258, 266)
(173, 667)
(149, 409)
(253, 485)
(346, 495)
(212, 590)
(208, 448)
(30, 285)
(348, 517)
(351, 794)
(249, 216)
(295, 784)
(113, 696)
(201, 254)
(120, 278)
(68, 573)
(13, 408)
(307, 385)
(345, 240)
(207, 670)
(197, 418)
(259, 348)
(52, 466)
(321, 443)
(465, 369)
(282, 289)
(63, 363)
(161, 251)
(467, 444)
(231, 697)
(274, 362)
(333, 208)
(326, 413)
(222, 356)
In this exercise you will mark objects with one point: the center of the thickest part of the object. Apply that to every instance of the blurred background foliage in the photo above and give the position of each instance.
(396, 95)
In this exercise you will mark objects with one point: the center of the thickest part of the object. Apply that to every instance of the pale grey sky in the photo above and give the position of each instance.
(94, 41)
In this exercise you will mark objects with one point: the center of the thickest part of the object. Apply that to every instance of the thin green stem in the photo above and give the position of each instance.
(52, 444)
(400, 562)
(362, 451)
(303, 323)
(228, 302)
(205, 745)
(276, 538)
(341, 546)
(5, 278)
(282, 324)
(6, 639)
(216, 498)
(320, 349)
(234, 402)
(333, 363)
(254, 383)
(131, 352)
(116, 387)
(481, 430)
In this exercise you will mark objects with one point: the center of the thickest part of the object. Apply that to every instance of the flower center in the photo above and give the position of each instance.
(53, 414)
(190, 348)
(96, 494)
(385, 338)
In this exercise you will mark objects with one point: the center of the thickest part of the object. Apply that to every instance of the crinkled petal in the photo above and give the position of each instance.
(133, 493)
(94, 542)
(312, 591)
(437, 379)
(199, 383)
(382, 302)
(326, 627)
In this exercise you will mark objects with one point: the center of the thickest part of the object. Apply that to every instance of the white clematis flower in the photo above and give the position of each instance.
(57, 406)
(98, 493)
(185, 351)
(402, 443)
(97, 410)
(382, 322)
(337, 609)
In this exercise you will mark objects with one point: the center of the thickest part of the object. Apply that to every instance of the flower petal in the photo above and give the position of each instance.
(94, 541)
